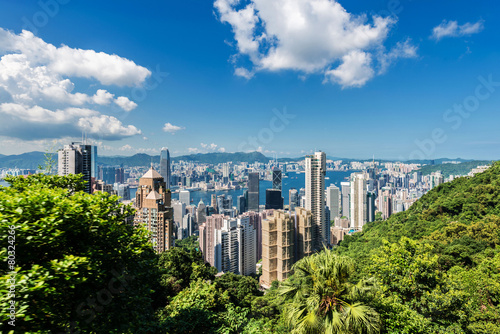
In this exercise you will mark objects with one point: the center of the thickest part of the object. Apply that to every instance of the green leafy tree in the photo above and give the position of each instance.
(321, 298)
(78, 266)
(190, 243)
(195, 309)
(242, 289)
(180, 267)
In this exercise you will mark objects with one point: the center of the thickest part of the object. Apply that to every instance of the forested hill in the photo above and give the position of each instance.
(462, 168)
(465, 200)
(437, 264)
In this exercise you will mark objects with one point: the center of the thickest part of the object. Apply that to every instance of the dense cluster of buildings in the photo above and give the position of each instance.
(235, 238)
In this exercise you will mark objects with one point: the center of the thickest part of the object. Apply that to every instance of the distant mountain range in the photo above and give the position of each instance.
(209, 158)
(32, 160)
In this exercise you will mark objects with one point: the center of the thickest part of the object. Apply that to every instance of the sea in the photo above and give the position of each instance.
(3, 183)
(294, 180)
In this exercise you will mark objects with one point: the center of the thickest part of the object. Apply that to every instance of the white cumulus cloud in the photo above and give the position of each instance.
(37, 90)
(453, 29)
(354, 71)
(170, 128)
(107, 69)
(309, 36)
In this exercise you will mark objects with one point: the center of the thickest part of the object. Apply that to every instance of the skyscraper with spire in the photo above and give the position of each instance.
(165, 166)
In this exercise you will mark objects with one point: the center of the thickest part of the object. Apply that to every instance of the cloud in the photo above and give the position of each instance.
(354, 71)
(401, 50)
(66, 61)
(309, 36)
(243, 72)
(207, 148)
(126, 147)
(453, 29)
(125, 103)
(29, 123)
(107, 127)
(40, 100)
(168, 127)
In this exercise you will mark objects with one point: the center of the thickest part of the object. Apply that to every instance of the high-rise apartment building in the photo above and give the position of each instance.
(277, 247)
(154, 211)
(304, 233)
(229, 244)
(165, 170)
(253, 192)
(358, 201)
(76, 159)
(315, 166)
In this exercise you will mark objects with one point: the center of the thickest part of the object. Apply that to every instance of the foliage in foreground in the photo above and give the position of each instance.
(432, 269)
(78, 265)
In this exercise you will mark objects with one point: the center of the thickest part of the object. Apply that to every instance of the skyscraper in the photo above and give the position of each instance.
(304, 233)
(185, 197)
(253, 192)
(358, 200)
(293, 199)
(346, 199)
(165, 166)
(277, 247)
(277, 179)
(315, 166)
(274, 199)
(241, 204)
(76, 159)
(154, 211)
(229, 244)
(94, 171)
(201, 213)
(333, 200)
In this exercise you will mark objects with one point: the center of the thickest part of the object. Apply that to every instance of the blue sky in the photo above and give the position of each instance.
(357, 79)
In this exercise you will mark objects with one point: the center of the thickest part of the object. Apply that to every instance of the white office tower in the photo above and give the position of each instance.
(358, 200)
(235, 247)
(333, 200)
(179, 213)
(346, 199)
(186, 228)
(201, 213)
(76, 159)
(185, 197)
(315, 166)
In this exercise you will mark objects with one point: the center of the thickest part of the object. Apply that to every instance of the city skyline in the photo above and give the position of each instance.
(188, 76)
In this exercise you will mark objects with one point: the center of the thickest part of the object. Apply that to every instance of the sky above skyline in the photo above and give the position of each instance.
(394, 79)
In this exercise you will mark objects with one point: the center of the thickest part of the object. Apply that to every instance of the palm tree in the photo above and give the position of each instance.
(320, 298)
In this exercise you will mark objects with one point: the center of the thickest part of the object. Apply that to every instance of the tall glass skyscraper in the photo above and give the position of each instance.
(253, 192)
(165, 166)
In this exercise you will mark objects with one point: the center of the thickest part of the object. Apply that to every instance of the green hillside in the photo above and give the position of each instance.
(439, 262)
(462, 168)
